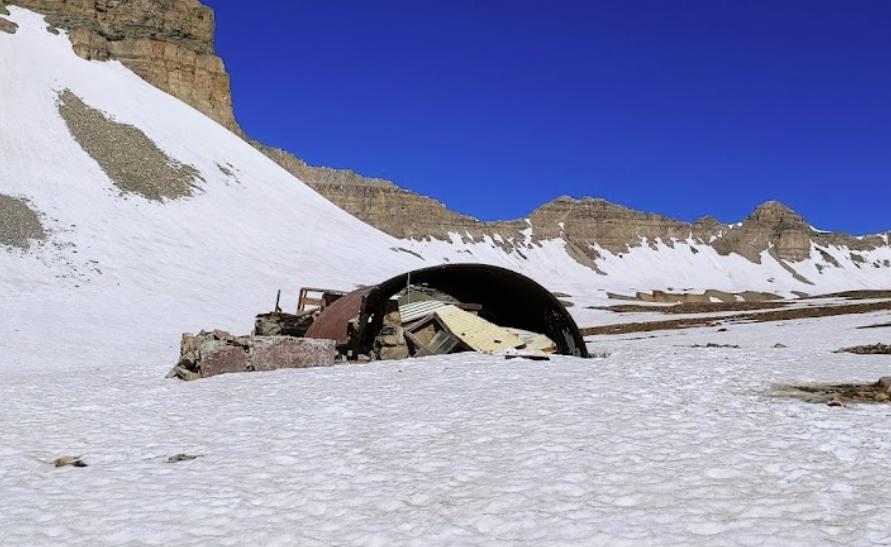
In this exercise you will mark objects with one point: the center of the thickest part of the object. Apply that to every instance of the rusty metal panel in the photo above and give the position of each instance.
(333, 322)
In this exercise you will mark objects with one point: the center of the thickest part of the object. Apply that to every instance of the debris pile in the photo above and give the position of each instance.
(430, 326)
(839, 394)
(435, 311)
(449, 309)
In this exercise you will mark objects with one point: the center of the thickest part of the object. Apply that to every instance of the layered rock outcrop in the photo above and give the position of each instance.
(379, 202)
(584, 224)
(6, 25)
(168, 43)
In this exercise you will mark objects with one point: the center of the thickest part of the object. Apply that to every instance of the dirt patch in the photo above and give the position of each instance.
(839, 394)
(19, 224)
(768, 316)
(874, 349)
(649, 326)
(858, 295)
(131, 160)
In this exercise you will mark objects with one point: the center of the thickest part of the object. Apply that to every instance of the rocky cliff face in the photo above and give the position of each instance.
(379, 202)
(169, 43)
(584, 224)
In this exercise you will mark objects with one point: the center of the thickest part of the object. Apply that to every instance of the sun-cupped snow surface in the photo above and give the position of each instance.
(144, 270)
(658, 444)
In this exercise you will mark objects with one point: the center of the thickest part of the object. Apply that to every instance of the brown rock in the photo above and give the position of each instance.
(223, 358)
(65, 461)
(176, 458)
(275, 352)
(8, 26)
(218, 352)
(393, 352)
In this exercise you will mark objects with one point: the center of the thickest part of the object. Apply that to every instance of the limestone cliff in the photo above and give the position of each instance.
(169, 43)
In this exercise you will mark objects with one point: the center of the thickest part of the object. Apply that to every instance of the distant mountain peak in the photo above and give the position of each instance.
(775, 212)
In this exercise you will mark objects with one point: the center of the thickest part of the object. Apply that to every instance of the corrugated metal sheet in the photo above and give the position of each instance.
(534, 341)
(476, 332)
(417, 310)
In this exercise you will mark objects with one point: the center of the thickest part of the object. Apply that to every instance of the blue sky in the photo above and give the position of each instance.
(683, 108)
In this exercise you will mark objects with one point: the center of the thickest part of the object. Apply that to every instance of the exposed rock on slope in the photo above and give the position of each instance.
(19, 223)
(5, 24)
(379, 202)
(131, 160)
(169, 43)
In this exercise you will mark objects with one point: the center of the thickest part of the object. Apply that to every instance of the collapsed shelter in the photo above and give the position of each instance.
(433, 311)
(493, 308)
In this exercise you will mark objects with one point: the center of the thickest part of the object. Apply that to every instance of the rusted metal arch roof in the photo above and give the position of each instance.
(508, 299)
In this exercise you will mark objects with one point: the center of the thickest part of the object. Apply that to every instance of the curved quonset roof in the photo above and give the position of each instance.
(508, 299)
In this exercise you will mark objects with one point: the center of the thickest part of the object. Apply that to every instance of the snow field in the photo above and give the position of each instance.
(657, 444)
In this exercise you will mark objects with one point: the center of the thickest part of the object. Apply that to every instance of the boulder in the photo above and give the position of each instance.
(8, 26)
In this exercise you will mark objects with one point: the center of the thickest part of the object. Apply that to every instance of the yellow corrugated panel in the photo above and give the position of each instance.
(476, 332)
(534, 341)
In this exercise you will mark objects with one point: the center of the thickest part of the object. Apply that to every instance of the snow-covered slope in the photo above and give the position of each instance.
(146, 270)
(683, 266)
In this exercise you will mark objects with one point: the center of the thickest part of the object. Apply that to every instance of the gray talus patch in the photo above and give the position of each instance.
(131, 160)
(19, 224)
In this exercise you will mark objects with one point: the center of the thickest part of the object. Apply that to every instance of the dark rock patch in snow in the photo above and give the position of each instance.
(874, 349)
(877, 326)
(131, 160)
(406, 251)
(7, 26)
(19, 224)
